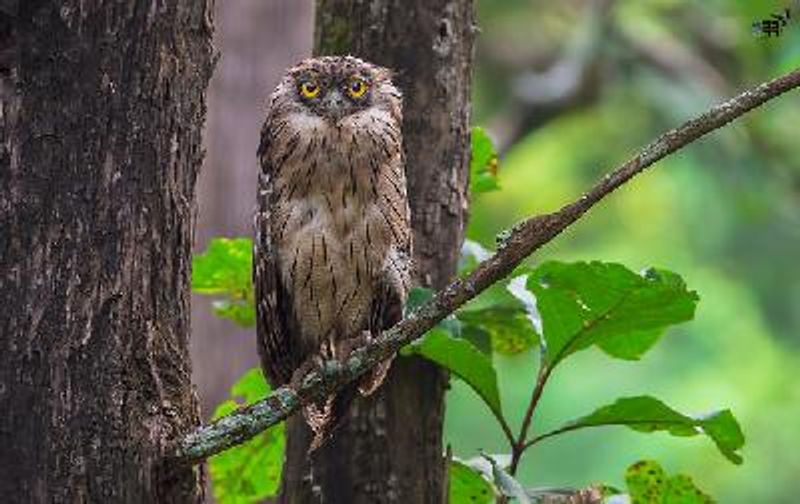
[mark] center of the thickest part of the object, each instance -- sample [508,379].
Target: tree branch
[515,245]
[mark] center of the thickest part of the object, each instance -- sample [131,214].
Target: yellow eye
[309,89]
[357,88]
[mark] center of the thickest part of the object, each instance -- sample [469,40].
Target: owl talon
[346,347]
[313,363]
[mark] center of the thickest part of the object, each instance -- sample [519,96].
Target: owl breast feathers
[333,240]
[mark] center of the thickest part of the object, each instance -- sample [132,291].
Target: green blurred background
[570,89]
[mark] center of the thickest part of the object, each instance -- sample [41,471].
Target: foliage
[483,163]
[463,359]
[467,485]
[607,305]
[646,414]
[225,270]
[648,483]
[249,472]
[577,306]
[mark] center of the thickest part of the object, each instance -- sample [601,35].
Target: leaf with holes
[467,486]
[649,483]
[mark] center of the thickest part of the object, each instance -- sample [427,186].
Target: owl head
[336,87]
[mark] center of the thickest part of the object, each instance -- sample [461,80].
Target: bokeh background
[568,90]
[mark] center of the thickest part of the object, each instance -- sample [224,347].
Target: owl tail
[374,378]
[325,417]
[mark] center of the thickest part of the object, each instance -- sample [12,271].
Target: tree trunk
[100,143]
[389,450]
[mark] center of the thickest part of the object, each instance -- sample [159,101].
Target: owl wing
[273,301]
[396,281]
[394,284]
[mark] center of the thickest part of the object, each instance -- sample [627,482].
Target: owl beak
[335,104]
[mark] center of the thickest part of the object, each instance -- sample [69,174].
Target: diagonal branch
[516,244]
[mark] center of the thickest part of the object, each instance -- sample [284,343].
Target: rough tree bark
[100,143]
[389,450]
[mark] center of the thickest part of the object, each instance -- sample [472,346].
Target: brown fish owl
[333,241]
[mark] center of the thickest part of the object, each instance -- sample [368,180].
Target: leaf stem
[519,446]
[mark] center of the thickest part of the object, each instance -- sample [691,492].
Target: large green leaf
[224,269]
[647,414]
[249,472]
[648,483]
[582,304]
[467,486]
[483,165]
[464,360]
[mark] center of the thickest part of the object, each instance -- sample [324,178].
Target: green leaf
[496,312]
[503,316]
[624,313]
[483,165]
[225,270]
[225,266]
[647,414]
[467,486]
[249,472]
[464,360]
[648,483]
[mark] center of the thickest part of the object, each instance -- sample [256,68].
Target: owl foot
[313,363]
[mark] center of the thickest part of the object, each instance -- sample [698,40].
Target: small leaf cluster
[224,271]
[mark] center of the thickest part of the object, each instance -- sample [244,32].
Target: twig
[517,244]
[519,446]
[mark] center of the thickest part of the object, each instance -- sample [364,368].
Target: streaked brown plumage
[333,242]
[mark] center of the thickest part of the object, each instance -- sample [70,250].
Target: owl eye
[309,89]
[357,88]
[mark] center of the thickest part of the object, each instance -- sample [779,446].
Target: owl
[332,258]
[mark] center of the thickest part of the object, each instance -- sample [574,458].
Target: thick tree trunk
[390,448]
[100,143]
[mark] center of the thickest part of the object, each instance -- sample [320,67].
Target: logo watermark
[773,25]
